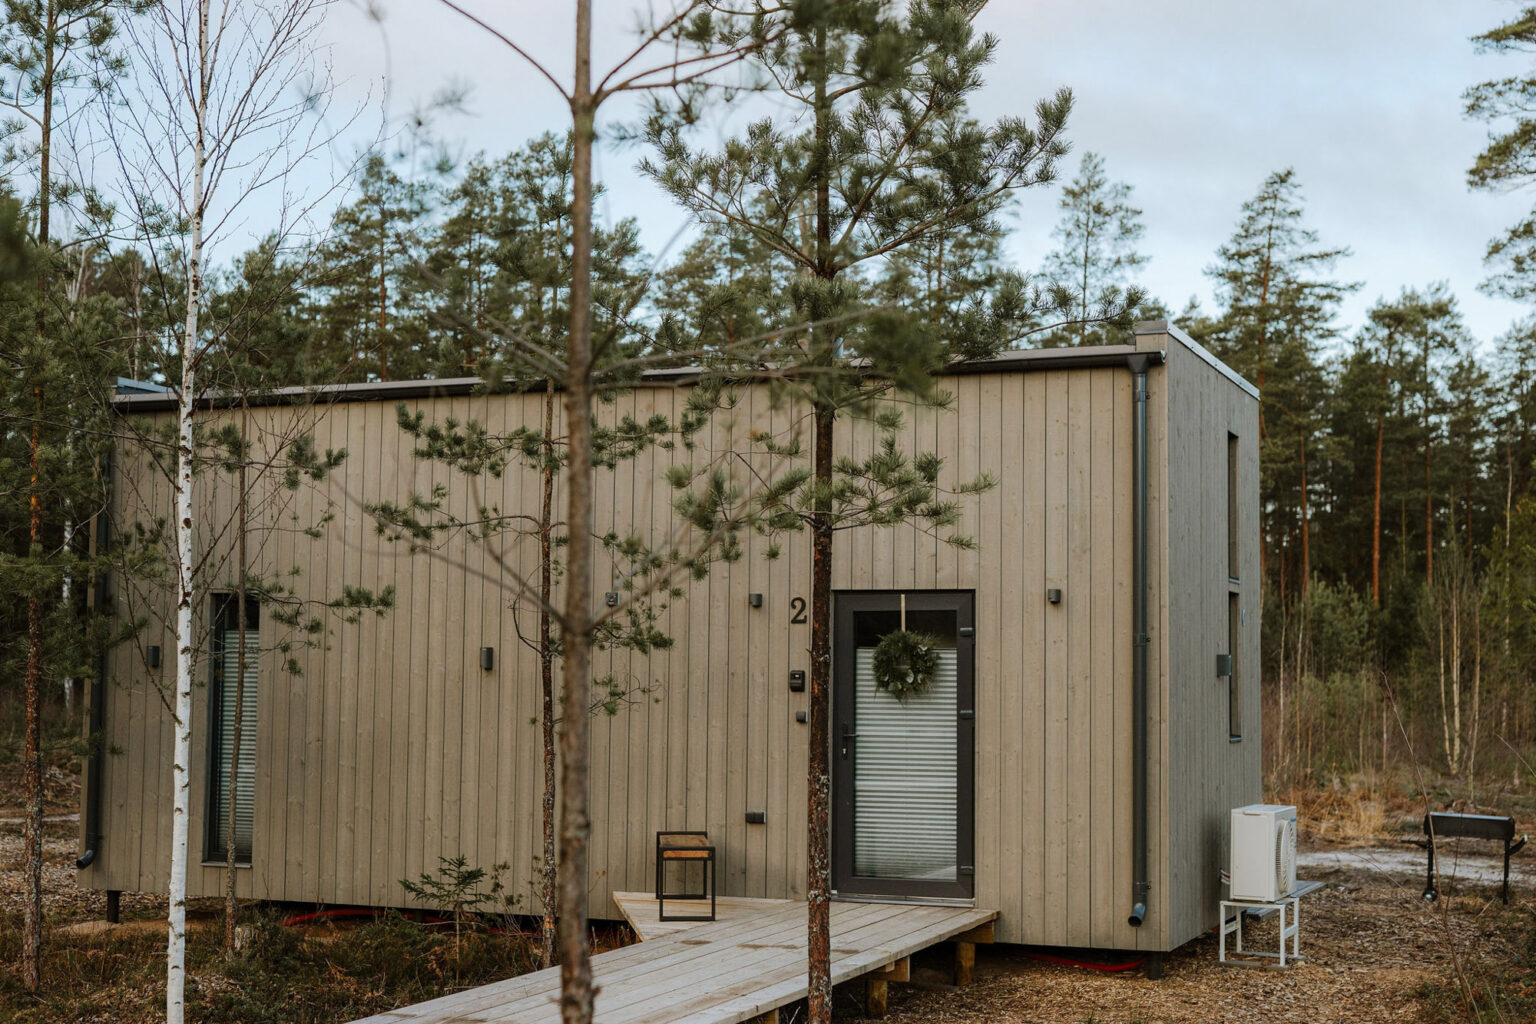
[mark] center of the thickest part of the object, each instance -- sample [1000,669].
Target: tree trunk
[32,755]
[1429,497]
[32,752]
[818,773]
[547,675]
[383,300]
[1445,720]
[181,778]
[575,825]
[1381,427]
[818,782]
[1306,528]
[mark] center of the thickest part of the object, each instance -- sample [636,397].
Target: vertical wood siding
[393,748]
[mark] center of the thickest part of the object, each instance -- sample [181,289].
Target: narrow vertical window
[1232,530]
[228,755]
[1235,667]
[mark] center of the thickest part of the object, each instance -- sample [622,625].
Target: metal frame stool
[685,847]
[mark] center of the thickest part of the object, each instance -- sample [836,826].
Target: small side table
[685,847]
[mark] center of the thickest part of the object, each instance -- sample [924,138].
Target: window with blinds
[905,806]
[226,696]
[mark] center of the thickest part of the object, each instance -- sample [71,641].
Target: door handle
[848,734]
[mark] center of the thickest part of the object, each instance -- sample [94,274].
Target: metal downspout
[97,718]
[1140,884]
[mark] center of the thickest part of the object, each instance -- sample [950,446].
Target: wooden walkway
[743,966]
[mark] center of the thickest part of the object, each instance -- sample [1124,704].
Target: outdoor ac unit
[1263,852]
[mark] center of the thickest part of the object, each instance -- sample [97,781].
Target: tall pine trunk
[181,756]
[1381,427]
[32,754]
[1306,520]
[818,781]
[32,743]
[575,821]
[547,674]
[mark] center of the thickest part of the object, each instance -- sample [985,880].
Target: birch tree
[221,111]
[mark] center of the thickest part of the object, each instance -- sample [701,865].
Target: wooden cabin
[1012,783]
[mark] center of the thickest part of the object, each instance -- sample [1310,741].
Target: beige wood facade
[393,748]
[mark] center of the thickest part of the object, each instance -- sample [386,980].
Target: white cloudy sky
[1192,102]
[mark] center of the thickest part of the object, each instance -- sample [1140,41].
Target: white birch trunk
[181,778]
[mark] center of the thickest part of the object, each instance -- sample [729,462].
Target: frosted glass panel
[904,776]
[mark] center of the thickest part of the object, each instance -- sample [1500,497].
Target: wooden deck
[745,965]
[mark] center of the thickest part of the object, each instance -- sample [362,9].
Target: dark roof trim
[1020,361]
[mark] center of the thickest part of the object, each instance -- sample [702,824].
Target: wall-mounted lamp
[611,599]
[1053,595]
[755,600]
[153,655]
[487,658]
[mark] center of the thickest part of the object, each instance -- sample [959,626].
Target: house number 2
[797,611]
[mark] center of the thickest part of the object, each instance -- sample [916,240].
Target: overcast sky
[1191,102]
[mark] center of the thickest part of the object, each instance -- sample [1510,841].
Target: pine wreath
[905,662]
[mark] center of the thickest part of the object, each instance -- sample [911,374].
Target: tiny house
[1093,714]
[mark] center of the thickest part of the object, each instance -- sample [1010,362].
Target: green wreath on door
[905,663]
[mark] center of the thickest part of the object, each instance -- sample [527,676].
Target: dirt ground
[1374,949]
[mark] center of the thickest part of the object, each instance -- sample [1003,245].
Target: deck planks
[748,962]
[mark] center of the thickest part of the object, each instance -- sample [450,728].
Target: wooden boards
[745,965]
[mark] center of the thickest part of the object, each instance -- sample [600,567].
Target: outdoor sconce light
[755,600]
[611,599]
[487,658]
[1053,595]
[153,655]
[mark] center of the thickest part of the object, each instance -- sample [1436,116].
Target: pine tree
[367,283]
[1393,331]
[1097,237]
[49,50]
[1279,304]
[1509,160]
[885,158]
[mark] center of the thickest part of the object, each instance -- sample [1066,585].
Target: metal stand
[1233,925]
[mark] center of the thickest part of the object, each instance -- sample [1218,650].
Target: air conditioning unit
[1263,852]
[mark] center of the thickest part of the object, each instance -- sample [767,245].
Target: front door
[902,768]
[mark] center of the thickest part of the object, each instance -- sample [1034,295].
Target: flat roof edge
[1173,331]
[1034,360]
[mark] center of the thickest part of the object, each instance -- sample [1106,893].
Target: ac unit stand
[1289,909]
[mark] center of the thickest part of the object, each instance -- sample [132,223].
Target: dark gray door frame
[845,604]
